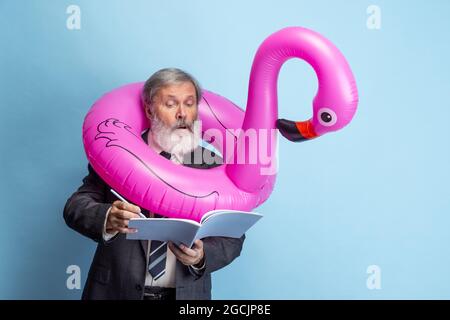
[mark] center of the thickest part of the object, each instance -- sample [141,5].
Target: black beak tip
[289,130]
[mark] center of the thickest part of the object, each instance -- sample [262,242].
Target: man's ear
[148,112]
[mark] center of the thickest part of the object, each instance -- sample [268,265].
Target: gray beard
[177,142]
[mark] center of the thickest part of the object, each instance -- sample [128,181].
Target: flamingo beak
[296,131]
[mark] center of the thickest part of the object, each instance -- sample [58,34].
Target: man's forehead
[183,90]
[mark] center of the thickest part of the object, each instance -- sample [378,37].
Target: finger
[190,252]
[115,207]
[124,214]
[129,207]
[180,255]
[116,203]
[121,205]
[177,252]
[184,260]
[118,223]
[123,223]
[126,230]
[198,244]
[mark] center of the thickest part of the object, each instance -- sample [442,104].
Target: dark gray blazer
[119,266]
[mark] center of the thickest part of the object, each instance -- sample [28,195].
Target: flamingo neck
[262,104]
[291,42]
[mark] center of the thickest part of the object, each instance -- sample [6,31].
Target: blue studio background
[374,193]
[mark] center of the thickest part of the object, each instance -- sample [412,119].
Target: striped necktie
[157,259]
[158,249]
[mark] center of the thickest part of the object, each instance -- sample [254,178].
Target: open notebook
[216,223]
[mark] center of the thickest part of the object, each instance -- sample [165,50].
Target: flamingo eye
[327,117]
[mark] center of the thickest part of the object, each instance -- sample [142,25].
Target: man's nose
[181,112]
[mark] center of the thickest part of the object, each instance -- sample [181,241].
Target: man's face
[173,121]
[175,106]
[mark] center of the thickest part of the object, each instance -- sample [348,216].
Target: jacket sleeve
[219,252]
[85,211]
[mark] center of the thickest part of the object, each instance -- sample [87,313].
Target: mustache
[183,124]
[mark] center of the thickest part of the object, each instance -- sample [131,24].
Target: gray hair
[165,77]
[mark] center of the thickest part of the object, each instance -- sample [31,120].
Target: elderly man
[132,269]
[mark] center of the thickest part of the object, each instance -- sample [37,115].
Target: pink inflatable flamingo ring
[112,133]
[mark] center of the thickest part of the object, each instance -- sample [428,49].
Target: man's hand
[119,216]
[188,256]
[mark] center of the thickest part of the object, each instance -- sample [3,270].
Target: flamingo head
[332,111]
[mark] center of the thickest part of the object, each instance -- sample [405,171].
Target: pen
[122,198]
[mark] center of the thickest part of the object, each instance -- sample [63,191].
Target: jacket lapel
[144,246]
